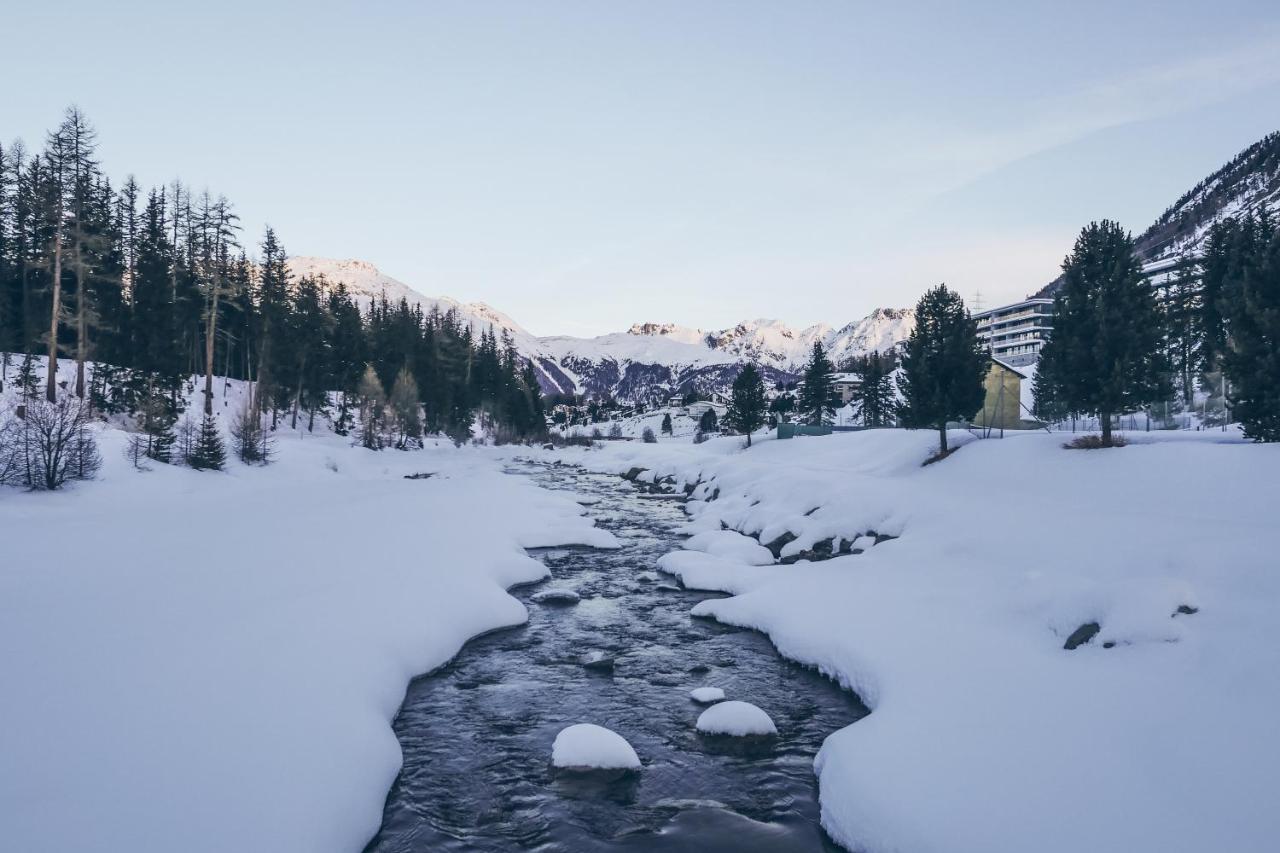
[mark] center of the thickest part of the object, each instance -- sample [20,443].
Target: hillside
[1247,182]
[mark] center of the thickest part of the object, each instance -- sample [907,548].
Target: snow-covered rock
[557,595]
[706,695]
[586,746]
[736,718]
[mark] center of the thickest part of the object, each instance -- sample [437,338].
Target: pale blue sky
[586,165]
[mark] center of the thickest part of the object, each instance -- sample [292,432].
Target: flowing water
[477,733]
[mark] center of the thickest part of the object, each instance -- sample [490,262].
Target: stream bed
[477,733]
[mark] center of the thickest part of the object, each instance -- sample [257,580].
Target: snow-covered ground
[211,661]
[986,734]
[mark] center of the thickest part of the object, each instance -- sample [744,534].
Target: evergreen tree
[1106,355]
[1183,333]
[747,404]
[1252,356]
[874,398]
[817,402]
[666,424]
[251,443]
[944,365]
[707,423]
[208,452]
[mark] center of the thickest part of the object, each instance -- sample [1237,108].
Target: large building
[1015,333]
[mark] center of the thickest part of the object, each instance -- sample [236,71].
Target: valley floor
[211,662]
[986,734]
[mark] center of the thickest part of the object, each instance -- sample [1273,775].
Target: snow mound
[586,746]
[557,595]
[706,695]
[731,545]
[735,718]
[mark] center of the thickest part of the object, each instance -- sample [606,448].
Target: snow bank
[590,747]
[210,661]
[986,734]
[739,719]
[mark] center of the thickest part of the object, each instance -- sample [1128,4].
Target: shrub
[648,436]
[1094,442]
[42,445]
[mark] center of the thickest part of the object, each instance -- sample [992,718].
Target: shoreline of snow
[953,633]
[214,660]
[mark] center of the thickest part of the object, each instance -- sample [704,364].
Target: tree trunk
[1105,419]
[51,384]
[942,438]
[82,328]
[211,327]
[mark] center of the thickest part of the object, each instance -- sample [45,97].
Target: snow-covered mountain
[773,343]
[647,362]
[1249,181]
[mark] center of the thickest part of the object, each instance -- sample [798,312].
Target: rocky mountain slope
[1246,183]
[649,361]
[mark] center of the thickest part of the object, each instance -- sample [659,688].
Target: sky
[583,166]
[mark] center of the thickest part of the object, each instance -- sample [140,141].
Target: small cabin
[1007,404]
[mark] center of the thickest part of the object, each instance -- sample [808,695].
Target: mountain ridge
[646,362]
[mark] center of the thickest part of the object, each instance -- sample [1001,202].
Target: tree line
[144,290]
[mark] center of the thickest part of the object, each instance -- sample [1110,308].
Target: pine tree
[1252,357]
[943,366]
[817,403]
[1106,353]
[747,404]
[707,423]
[874,399]
[208,452]
[666,424]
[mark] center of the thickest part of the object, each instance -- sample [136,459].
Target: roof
[1007,366]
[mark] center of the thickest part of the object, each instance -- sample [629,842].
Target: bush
[648,436]
[1094,442]
[615,431]
[699,437]
[43,445]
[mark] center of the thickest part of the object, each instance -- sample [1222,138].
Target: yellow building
[1008,398]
